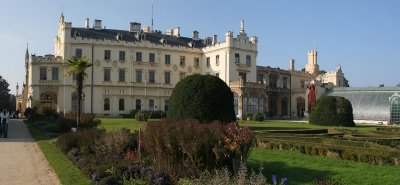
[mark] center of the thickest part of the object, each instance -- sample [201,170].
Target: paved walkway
[21,160]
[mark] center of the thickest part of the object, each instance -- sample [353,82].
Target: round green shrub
[332,111]
[259,116]
[202,97]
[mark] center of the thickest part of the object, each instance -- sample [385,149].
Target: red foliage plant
[185,148]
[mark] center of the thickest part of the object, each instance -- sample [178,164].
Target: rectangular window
[121,75]
[138,76]
[107,74]
[285,79]
[182,75]
[237,58]
[54,73]
[152,57]
[151,77]
[121,104]
[182,61]
[106,104]
[196,62]
[107,55]
[260,78]
[217,75]
[166,105]
[167,59]
[78,53]
[208,62]
[217,60]
[43,73]
[138,56]
[167,77]
[302,83]
[248,59]
[122,55]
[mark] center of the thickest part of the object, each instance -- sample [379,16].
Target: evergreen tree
[4,94]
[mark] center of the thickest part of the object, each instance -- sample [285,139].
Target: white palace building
[139,68]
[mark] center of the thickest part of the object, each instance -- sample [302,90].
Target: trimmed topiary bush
[202,97]
[259,116]
[332,110]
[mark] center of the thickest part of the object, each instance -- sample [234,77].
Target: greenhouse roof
[369,103]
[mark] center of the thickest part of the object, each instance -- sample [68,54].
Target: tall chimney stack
[87,23]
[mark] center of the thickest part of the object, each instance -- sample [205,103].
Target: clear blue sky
[363,36]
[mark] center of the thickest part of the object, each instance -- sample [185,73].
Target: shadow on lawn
[295,175]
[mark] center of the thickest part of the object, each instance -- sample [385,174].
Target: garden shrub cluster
[186,148]
[202,97]
[144,115]
[109,157]
[259,116]
[50,121]
[332,110]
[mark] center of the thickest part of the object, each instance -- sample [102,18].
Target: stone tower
[312,66]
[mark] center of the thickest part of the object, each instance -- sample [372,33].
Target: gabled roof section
[153,37]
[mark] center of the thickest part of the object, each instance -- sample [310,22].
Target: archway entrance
[301,106]
[284,106]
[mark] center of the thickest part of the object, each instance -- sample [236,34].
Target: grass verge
[304,169]
[67,173]
[113,124]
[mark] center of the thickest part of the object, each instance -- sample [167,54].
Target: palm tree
[77,68]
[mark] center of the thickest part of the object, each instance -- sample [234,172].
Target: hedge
[202,97]
[334,111]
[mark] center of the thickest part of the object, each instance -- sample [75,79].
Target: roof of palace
[154,37]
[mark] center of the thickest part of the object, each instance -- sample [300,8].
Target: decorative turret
[312,67]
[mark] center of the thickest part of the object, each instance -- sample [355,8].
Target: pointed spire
[27,52]
[61,20]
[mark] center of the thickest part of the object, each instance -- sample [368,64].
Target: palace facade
[139,67]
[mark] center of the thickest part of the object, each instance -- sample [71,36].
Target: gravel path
[21,160]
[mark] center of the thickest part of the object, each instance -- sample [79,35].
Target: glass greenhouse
[372,104]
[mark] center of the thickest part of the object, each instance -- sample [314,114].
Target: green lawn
[67,172]
[113,124]
[304,169]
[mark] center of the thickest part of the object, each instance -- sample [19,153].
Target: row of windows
[167,58]
[138,106]
[54,73]
[139,74]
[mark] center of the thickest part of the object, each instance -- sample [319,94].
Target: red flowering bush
[186,148]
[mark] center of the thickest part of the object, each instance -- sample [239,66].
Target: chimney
[214,39]
[146,29]
[97,24]
[292,64]
[195,35]
[87,23]
[242,26]
[177,31]
[135,27]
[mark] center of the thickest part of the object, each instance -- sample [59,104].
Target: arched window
[106,104]
[236,103]
[395,109]
[138,104]
[151,105]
